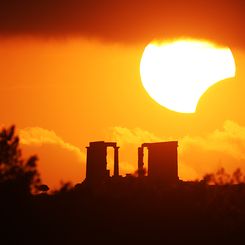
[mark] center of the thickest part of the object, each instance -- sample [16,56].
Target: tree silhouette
[16,174]
[221,177]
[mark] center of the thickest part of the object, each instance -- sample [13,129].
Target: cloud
[124,136]
[125,21]
[39,136]
[197,155]
[129,140]
[221,148]
[58,160]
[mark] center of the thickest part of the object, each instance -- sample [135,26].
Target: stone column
[116,165]
[141,161]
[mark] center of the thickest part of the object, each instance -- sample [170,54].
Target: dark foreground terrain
[126,212]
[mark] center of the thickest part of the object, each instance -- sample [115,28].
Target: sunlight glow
[176,74]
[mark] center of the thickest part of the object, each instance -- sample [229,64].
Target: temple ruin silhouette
[162,162]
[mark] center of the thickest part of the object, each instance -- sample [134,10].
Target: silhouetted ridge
[135,209]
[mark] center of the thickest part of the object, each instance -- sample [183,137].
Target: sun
[177,73]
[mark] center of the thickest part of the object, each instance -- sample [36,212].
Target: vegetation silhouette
[132,211]
[17,176]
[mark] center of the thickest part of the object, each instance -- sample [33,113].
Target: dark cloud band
[125,21]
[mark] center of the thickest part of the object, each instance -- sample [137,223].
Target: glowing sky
[70,75]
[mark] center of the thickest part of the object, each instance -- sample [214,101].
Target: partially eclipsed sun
[176,74]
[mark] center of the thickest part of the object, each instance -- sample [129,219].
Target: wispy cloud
[39,136]
[222,148]
[129,140]
[59,160]
[125,136]
[197,155]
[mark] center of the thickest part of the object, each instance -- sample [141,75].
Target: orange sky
[63,90]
